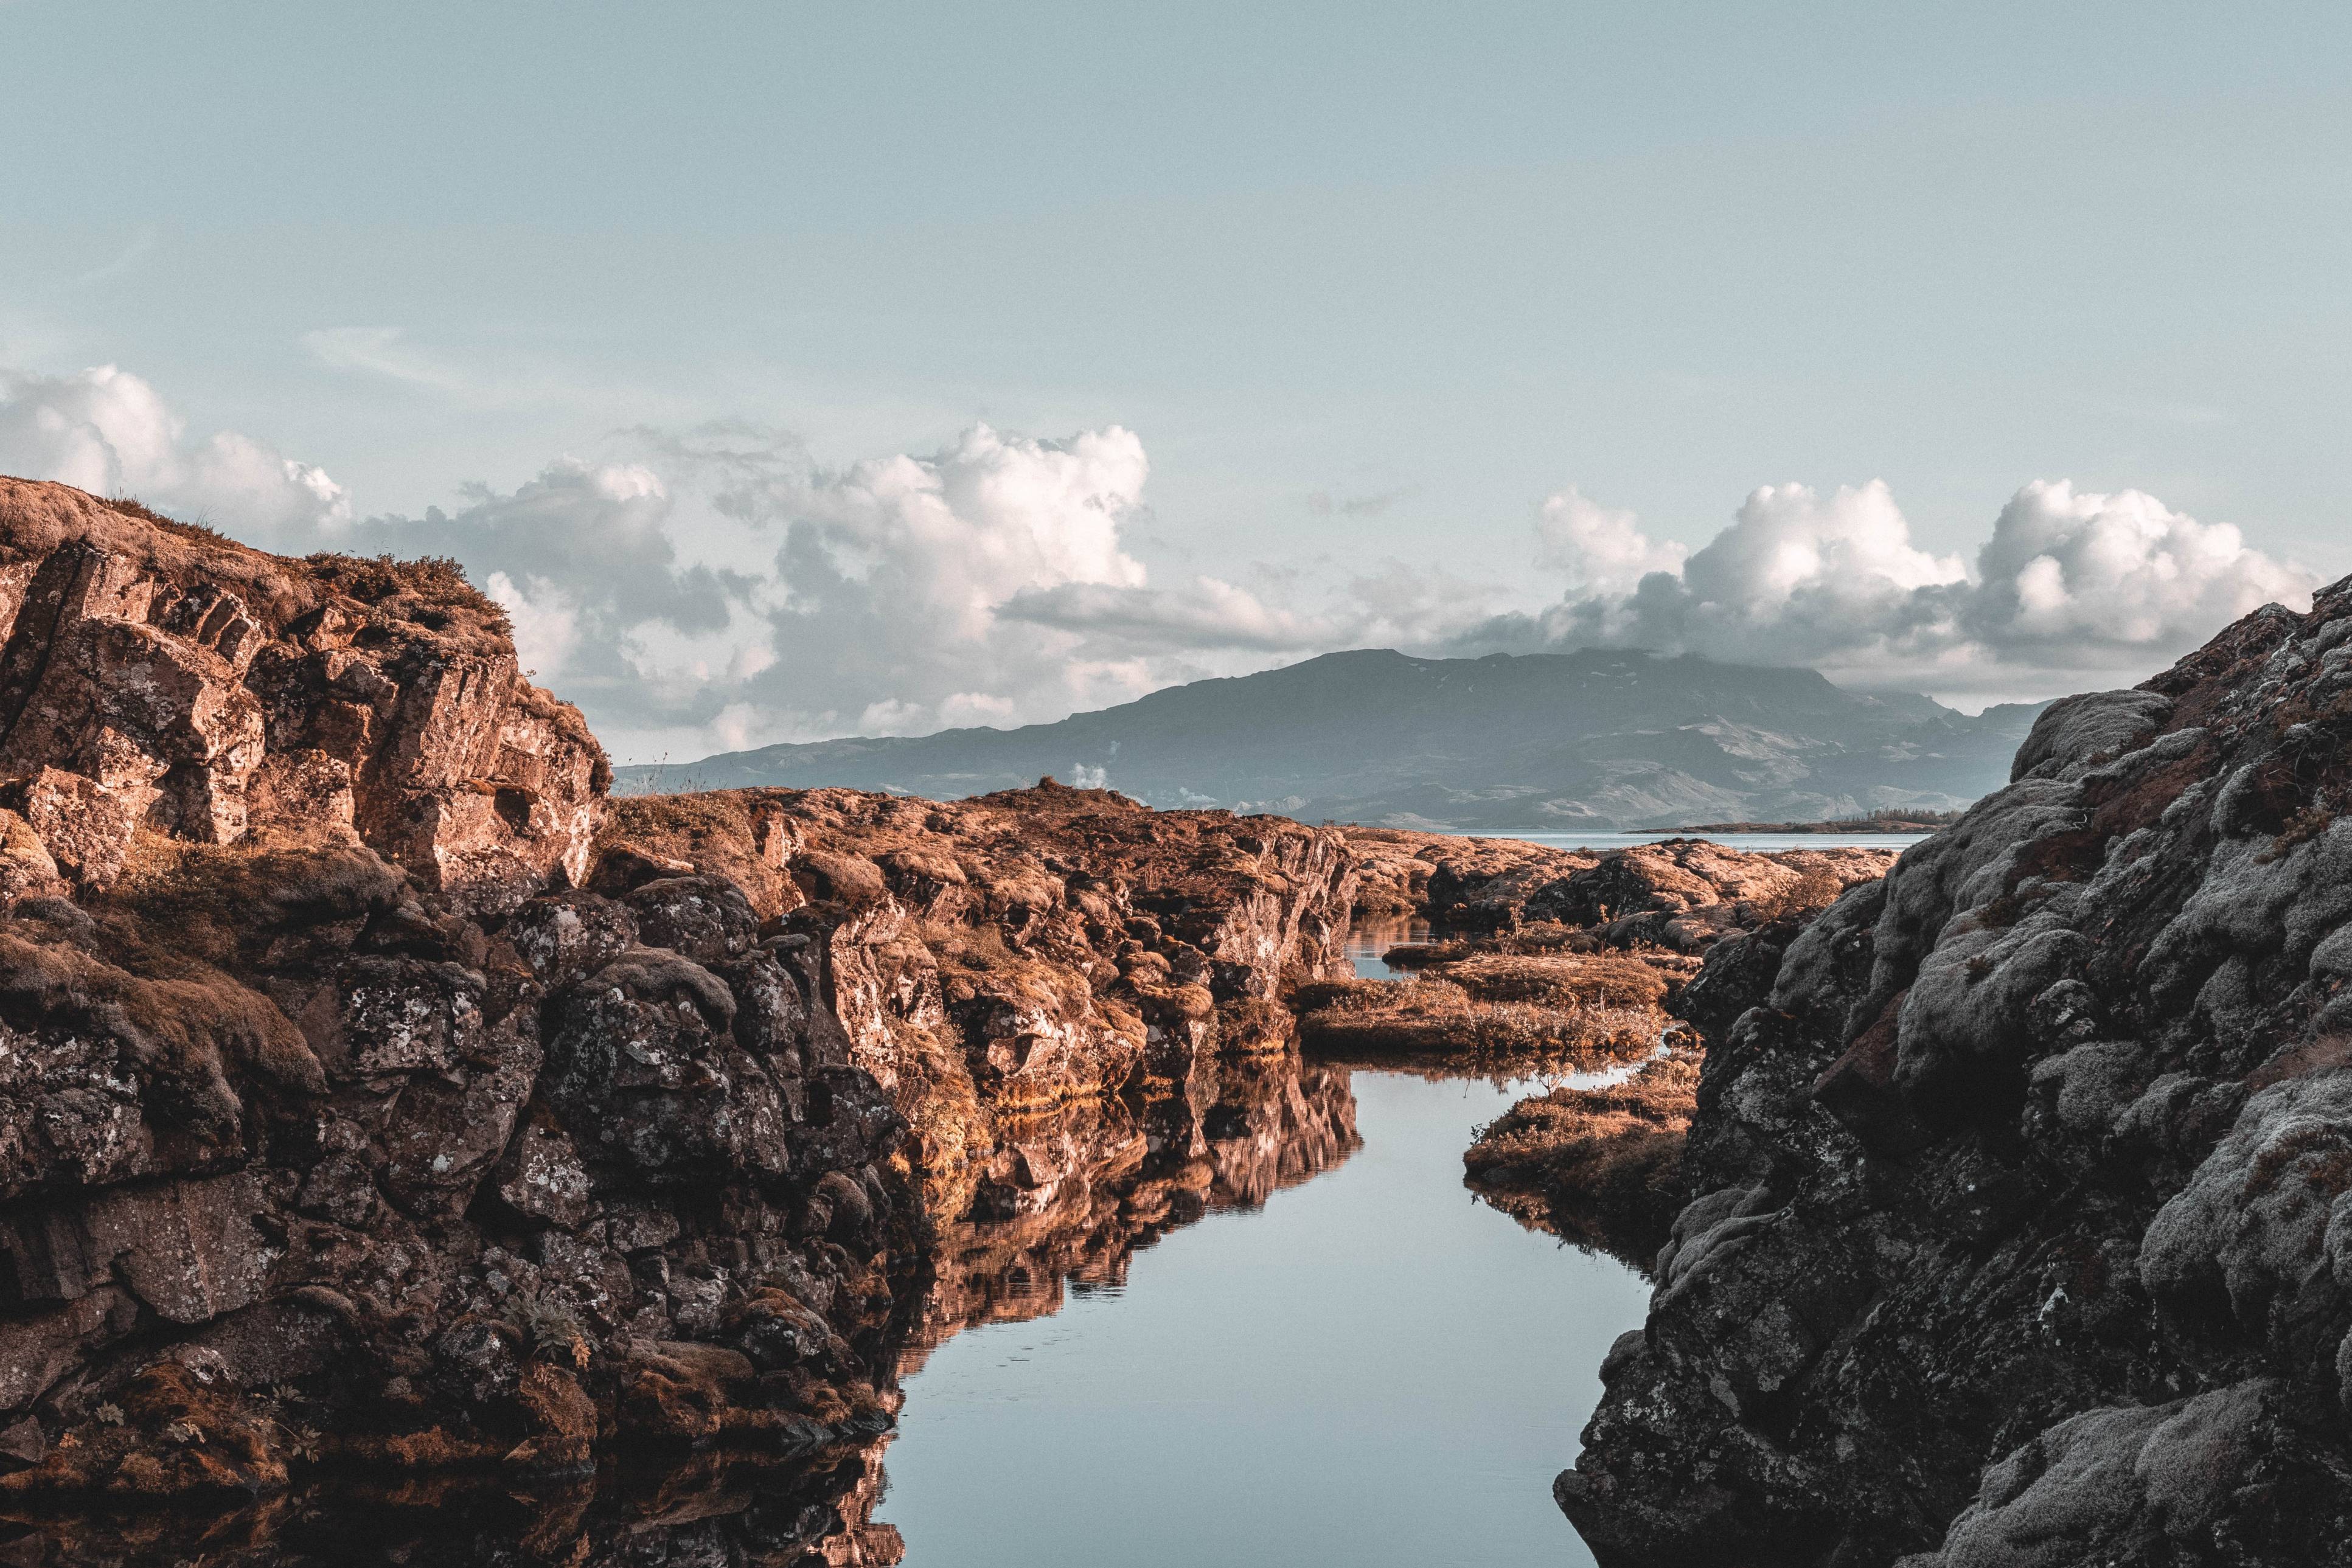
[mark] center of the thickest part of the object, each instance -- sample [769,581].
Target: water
[1372,1369]
[1760,844]
[1368,942]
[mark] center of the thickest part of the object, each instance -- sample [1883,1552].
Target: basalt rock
[1010,958]
[2019,1199]
[391,1193]
[1682,893]
[372,1104]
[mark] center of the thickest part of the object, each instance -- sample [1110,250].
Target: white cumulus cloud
[724,588]
[108,432]
[1599,550]
[2073,587]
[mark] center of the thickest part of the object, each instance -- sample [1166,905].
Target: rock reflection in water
[1369,942]
[713,1509]
[1068,1198]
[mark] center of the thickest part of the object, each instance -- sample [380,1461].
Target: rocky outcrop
[156,678]
[1681,894]
[2019,1197]
[1000,959]
[1601,1164]
[305,1166]
[372,1102]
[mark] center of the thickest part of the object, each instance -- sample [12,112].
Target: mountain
[1595,739]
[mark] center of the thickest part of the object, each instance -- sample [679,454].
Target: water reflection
[1351,1361]
[1066,1206]
[1079,1196]
[1373,1369]
[1370,940]
[711,1509]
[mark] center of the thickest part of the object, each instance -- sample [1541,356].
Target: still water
[1759,843]
[1371,1369]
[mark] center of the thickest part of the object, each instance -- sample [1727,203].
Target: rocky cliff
[2019,1228]
[376,1100]
[997,963]
[156,677]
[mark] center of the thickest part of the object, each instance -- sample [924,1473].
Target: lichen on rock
[2015,1204]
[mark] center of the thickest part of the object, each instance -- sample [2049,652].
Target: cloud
[2073,587]
[108,432]
[1601,550]
[722,588]
[1394,606]
[1205,613]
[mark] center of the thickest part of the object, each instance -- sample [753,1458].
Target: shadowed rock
[2018,1198]
[371,1102]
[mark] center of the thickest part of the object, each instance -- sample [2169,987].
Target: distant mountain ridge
[1596,739]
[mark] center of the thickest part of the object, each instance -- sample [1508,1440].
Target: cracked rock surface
[380,1100]
[2019,1224]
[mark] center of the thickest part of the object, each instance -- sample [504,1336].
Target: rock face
[154,676]
[370,1100]
[1001,961]
[2019,1208]
[1684,895]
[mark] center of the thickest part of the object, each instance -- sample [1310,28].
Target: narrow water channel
[1373,1368]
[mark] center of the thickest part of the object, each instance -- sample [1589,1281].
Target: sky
[795,371]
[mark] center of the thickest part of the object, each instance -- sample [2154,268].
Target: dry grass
[1602,980]
[145,514]
[1538,940]
[1377,1019]
[431,591]
[1600,1167]
[717,832]
[221,904]
[981,947]
[1814,890]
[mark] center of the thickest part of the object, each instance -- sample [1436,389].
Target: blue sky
[1366,286]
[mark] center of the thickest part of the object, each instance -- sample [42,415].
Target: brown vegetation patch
[1560,980]
[1370,1019]
[1600,1167]
[433,592]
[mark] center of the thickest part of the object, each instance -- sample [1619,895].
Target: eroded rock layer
[374,1100]
[156,677]
[2020,1220]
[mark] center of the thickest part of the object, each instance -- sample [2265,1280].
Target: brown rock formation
[156,677]
[1683,894]
[1607,974]
[1600,1166]
[1010,956]
[367,1100]
[1547,957]
[2020,1234]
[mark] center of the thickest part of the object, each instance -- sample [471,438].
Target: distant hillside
[1593,739]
